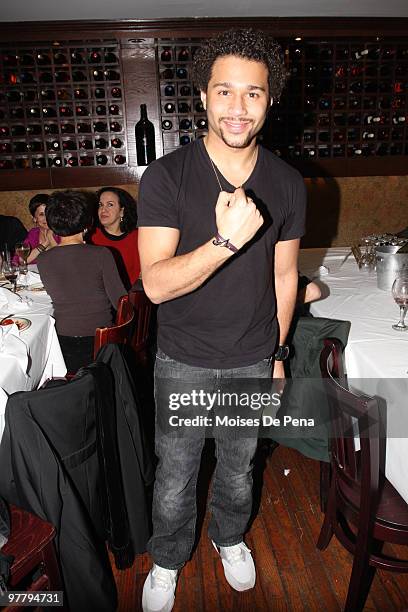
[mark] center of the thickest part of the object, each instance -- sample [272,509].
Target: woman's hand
[47,238]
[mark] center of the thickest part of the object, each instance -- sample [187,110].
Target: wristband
[41,248]
[220,241]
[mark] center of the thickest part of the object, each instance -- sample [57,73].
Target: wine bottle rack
[182,115]
[345,98]
[62,105]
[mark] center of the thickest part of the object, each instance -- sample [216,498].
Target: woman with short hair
[82,279]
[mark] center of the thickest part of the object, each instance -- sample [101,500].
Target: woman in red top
[116,230]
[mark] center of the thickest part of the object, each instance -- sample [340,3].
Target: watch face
[282,353]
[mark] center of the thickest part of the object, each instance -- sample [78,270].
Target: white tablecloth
[45,358]
[376,356]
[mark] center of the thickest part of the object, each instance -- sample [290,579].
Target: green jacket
[304,395]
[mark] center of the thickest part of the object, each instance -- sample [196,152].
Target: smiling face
[110,211]
[39,217]
[237,100]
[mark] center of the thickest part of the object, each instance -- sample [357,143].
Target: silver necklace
[216,173]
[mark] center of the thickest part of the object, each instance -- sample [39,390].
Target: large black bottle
[145,140]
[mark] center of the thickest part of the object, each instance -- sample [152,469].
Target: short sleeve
[295,221]
[157,198]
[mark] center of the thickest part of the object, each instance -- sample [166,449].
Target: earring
[121,219]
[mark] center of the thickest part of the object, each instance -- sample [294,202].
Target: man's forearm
[286,291]
[171,278]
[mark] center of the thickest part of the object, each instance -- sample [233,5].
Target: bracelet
[220,241]
[41,248]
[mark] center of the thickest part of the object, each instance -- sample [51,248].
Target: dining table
[35,356]
[376,355]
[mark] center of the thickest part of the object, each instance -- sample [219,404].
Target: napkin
[11,344]
[12,303]
[31,278]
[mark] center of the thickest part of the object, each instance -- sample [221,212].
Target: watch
[282,353]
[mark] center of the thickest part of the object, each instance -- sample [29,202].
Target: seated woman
[116,229]
[40,238]
[82,279]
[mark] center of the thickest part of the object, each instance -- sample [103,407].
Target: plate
[21,322]
[38,287]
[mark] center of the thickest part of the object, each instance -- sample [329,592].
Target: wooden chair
[141,336]
[121,332]
[360,495]
[31,545]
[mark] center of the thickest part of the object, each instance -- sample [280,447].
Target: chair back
[357,469]
[143,310]
[121,333]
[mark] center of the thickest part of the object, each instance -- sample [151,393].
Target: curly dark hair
[68,212]
[127,203]
[249,44]
[36,201]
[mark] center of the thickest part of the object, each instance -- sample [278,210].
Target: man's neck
[235,164]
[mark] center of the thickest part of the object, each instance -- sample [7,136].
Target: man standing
[220,221]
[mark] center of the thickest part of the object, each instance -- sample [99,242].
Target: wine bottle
[45,77]
[5,147]
[22,162]
[110,58]
[78,76]
[68,128]
[116,143]
[84,128]
[55,161]
[35,146]
[68,145]
[35,129]
[34,112]
[100,126]
[183,55]
[114,109]
[183,107]
[145,139]
[38,162]
[181,73]
[53,145]
[111,75]
[17,113]
[169,90]
[169,107]
[100,109]
[47,94]
[80,94]
[65,111]
[119,159]
[185,124]
[72,161]
[101,143]
[167,124]
[27,60]
[184,140]
[86,160]
[185,90]
[29,95]
[20,147]
[61,76]
[199,107]
[18,130]
[13,96]
[76,58]
[6,164]
[115,126]
[82,111]
[98,75]
[59,58]
[95,58]
[116,92]
[48,111]
[86,144]
[99,92]
[166,55]
[101,159]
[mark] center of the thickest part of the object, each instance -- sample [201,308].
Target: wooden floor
[291,573]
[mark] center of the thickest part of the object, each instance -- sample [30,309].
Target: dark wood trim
[187,27]
[60,178]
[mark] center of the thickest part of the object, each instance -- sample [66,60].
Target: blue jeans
[174,500]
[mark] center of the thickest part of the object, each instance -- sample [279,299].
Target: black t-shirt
[230,321]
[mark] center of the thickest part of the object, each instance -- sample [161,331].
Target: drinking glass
[23,251]
[10,271]
[400,295]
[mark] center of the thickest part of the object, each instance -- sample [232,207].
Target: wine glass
[10,271]
[22,251]
[400,295]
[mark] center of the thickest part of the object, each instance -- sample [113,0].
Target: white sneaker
[239,567]
[158,590]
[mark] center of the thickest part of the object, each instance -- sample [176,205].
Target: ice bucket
[389,264]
